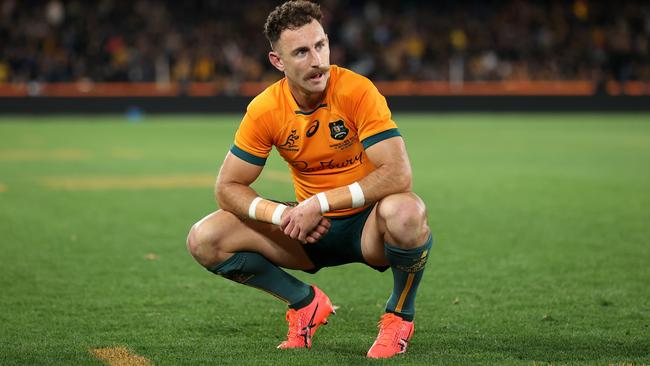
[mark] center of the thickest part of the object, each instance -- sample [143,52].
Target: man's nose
[316,59]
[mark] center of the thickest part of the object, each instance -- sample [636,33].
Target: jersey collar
[324,104]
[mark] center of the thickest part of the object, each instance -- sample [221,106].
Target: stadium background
[115,115]
[213,51]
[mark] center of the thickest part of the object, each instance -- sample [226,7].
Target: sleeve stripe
[246,156]
[371,140]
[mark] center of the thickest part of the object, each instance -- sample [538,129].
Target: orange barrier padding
[109,90]
[388,88]
[204,89]
[13,90]
[89,89]
[478,88]
[251,89]
[629,88]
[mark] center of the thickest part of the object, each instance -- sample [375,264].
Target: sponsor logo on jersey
[304,166]
[290,144]
[345,143]
[312,128]
[338,131]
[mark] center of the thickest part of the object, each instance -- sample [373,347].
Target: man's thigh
[383,217]
[372,240]
[233,234]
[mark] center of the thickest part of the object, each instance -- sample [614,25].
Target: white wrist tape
[277,214]
[324,205]
[252,207]
[358,199]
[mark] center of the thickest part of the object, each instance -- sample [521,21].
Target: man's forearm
[244,202]
[382,182]
[234,197]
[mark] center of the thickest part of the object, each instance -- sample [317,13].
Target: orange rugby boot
[304,322]
[393,338]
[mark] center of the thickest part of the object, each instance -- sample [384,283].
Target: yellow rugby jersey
[324,148]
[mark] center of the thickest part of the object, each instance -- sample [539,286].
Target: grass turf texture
[541,223]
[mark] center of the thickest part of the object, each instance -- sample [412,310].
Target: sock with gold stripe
[254,270]
[407,266]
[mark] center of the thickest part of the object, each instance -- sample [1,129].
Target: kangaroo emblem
[290,143]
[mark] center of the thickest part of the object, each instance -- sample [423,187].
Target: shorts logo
[313,128]
[338,131]
[290,144]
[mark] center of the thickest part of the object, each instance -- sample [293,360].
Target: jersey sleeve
[373,117]
[253,141]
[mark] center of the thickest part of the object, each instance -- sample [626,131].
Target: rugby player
[352,179]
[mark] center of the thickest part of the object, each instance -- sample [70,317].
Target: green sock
[407,266]
[254,270]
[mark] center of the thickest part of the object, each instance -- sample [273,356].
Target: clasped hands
[305,222]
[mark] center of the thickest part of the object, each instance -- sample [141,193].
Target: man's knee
[205,238]
[405,220]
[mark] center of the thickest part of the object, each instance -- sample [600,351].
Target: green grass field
[542,254]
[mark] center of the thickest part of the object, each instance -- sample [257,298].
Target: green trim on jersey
[311,112]
[369,141]
[246,156]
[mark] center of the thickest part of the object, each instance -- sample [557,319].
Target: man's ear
[276,61]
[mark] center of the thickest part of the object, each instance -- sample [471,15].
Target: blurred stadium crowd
[222,41]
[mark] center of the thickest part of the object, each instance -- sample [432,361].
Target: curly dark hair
[290,15]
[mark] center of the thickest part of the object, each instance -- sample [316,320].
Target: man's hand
[321,229]
[305,222]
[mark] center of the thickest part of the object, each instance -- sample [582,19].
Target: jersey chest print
[324,141]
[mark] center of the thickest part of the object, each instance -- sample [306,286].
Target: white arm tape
[358,199]
[277,214]
[324,205]
[252,207]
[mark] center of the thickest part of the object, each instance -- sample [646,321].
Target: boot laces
[293,317]
[296,328]
[389,327]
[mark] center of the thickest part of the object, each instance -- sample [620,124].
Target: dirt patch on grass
[107,183]
[3,188]
[144,182]
[127,154]
[119,356]
[276,176]
[47,155]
